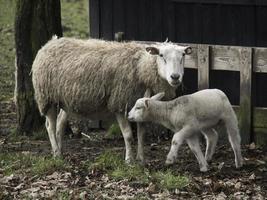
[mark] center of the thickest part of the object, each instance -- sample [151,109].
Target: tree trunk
[35,23]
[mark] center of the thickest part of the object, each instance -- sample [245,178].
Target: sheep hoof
[141,161]
[203,169]
[208,159]
[169,162]
[129,161]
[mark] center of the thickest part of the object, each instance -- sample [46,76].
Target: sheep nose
[175,77]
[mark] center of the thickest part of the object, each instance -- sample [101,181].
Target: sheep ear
[188,50]
[147,93]
[166,41]
[152,50]
[158,96]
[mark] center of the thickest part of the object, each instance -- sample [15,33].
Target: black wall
[226,22]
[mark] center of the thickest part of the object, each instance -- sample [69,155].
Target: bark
[35,23]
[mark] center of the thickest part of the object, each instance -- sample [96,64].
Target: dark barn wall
[227,22]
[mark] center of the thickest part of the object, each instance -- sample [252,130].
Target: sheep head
[170,61]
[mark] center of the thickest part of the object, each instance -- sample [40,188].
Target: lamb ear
[188,50]
[152,50]
[146,103]
[158,96]
[147,93]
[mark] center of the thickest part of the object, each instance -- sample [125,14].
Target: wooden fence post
[119,36]
[203,66]
[245,121]
[94,18]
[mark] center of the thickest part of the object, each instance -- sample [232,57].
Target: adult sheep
[98,79]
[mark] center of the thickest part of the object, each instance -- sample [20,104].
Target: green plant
[115,167]
[169,180]
[40,135]
[64,195]
[107,161]
[47,165]
[114,132]
[13,163]
[132,173]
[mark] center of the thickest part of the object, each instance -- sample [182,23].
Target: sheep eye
[138,108]
[161,55]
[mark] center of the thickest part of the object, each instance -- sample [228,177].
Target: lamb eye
[138,108]
[161,55]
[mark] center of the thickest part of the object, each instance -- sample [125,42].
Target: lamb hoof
[239,165]
[141,162]
[57,154]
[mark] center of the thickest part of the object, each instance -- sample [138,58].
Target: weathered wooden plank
[260,60]
[259,124]
[106,19]
[225,2]
[118,16]
[225,58]
[245,94]
[169,20]
[260,136]
[259,116]
[119,36]
[203,66]
[191,60]
[94,12]
[131,19]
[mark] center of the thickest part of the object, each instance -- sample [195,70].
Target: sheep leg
[140,148]
[193,143]
[177,141]
[51,118]
[127,135]
[211,137]
[235,140]
[61,124]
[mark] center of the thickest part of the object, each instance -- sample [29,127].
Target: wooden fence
[246,60]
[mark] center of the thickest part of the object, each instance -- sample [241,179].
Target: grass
[114,132]
[115,167]
[75,19]
[168,180]
[40,135]
[16,163]
[7,49]
[64,196]
[15,137]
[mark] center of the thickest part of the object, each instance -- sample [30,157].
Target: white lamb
[188,116]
